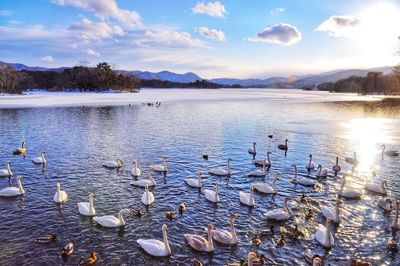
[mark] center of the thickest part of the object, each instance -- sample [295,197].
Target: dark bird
[20,151]
[196,262]
[182,208]
[89,261]
[270,136]
[137,212]
[47,239]
[283,147]
[205,156]
[67,250]
[169,216]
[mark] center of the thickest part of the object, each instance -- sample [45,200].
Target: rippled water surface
[78,140]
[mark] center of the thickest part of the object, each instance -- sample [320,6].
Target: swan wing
[222,236]
[4,172]
[10,191]
[244,197]
[191,182]
[218,171]
[197,242]
[107,220]
[351,194]
[157,168]
[210,195]
[83,208]
[306,181]
[263,187]
[327,212]
[37,160]
[153,246]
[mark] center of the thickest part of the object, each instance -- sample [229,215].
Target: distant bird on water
[21,150]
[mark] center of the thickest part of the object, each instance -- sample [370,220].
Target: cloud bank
[339,25]
[212,34]
[284,34]
[211,9]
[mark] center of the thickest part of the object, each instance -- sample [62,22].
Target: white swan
[396,224]
[212,195]
[60,196]
[221,171]
[135,169]
[389,153]
[156,247]
[113,164]
[283,146]
[40,159]
[161,167]
[324,235]
[349,194]
[7,171]
[303,180]
[385,204]
[336,168]
[352,160]
[147,196]
[332,213]
[259,173]
[224,236]
[380,189]
[199,243]
[266,188]
[144,182]
[310,166]
[321,172]
[13,191]
[87,208]
[279,214]
[111,220]
[194,182]
[247,198]
[261,162]
[253,150]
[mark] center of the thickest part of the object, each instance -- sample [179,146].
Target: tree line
[373,83]
[81,77]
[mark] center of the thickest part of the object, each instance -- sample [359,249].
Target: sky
[214,39]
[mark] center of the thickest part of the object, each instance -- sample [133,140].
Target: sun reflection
[367,134]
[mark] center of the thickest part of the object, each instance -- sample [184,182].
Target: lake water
[78,140]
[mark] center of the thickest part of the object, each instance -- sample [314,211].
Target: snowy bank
[60,99]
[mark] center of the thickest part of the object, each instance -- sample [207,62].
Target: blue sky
[226,38]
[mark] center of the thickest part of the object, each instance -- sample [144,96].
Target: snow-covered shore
[62,99]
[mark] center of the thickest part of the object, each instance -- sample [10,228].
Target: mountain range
[283,82]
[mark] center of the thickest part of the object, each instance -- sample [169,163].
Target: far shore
[64,99]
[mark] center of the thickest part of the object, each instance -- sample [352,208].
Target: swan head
[277,178]
[252,256]
[269,152]
[165,158]
[254,143]
[373,174]
[339,201]
[384,183]
[329,220]
[134,162]
[126,211]
[199,174]
[287,200]
[251,188]
[217,184]
[210,228]
[319,166]
[230,159]
[120,161]
[8,163]
[310,155]
[164,228]
[91,196]
[20,177]
[58,186]
[43,152]
[295,166]
[233,216]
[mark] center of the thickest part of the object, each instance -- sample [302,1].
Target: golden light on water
[367,134]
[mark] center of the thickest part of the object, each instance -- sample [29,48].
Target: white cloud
[171,38]
[211,34]
[339,25]
[284,34]
[5,13]
[92,52]
[92,31]
[215,9]
[276,11]
[105,9]
[47,58]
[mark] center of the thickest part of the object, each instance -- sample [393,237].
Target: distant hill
[167,76]
[335,75]
[295,81]
[20,67]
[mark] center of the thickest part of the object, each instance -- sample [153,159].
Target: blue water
[78,140]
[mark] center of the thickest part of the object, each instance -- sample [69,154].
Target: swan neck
[254,147]
[166,242]
[91,206]
[309,162]
[337,161]
[328,234]
[121,217]
[396,215]
[250,261]
[233,231]
[147,196]
[9,169]
[165,165]
[21,189]
[199,180]
[273,183]
[251,200]
[341,188]
[210,241]
[229,166]
[216,192]
[337,212]
[295,172]
[44,159]
[287,208]
[269,161]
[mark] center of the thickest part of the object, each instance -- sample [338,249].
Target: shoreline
[37,99]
